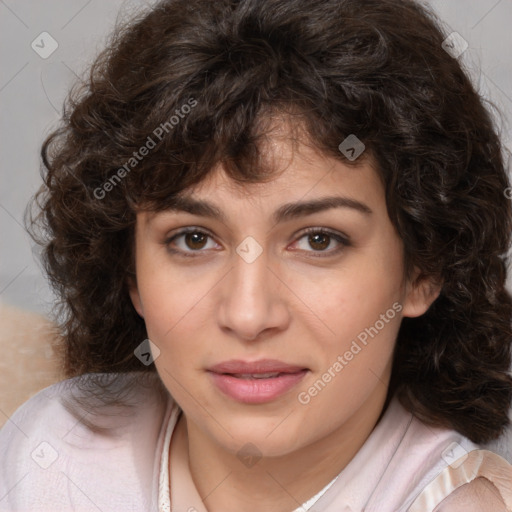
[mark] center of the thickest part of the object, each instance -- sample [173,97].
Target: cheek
[363,333]
[168,294]
[357,357]
[353,298]
[176,313]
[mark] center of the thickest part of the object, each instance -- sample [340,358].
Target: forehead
[304,181]
[295,168]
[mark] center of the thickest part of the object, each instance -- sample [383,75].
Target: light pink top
[57,456]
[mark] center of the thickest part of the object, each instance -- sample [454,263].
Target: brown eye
[319,240]
[195,240]
[188,241]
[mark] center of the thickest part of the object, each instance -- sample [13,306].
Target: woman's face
[248,283]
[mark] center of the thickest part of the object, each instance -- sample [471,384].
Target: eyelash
[342,240]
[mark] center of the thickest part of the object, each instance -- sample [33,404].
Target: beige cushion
[28,362]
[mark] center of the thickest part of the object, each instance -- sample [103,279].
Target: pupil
[195,239]
[314,241]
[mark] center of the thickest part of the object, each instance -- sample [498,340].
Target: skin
[481,495]
[290,304]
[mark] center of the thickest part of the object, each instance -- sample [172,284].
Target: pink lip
[256,391]
[261,366]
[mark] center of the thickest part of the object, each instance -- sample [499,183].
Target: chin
[262,438]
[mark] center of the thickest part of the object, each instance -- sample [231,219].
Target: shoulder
[427,465]
[480,495]
[477,481]
[93,438]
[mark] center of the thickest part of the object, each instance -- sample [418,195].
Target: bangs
[182,156]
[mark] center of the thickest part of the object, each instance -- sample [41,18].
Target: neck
[276,484]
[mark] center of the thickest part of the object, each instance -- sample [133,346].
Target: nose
[253,299]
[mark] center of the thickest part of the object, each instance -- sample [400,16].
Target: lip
[261,366]
[256,390]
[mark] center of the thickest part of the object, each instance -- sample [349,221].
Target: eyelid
[327,231]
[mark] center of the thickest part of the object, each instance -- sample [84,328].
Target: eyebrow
[287,211]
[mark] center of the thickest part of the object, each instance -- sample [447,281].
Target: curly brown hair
[375,68]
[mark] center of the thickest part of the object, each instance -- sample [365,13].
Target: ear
[421,292]
[133,290]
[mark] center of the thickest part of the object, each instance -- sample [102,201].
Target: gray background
[32,90]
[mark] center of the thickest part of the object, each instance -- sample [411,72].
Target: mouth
[256,387]
[251,368]
[257,375]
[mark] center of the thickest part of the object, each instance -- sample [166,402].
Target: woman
[278,229]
